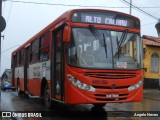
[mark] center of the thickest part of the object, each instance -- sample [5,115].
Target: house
[151,61]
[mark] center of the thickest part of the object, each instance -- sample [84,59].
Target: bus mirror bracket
[66,33]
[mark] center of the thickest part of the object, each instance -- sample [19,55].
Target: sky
[26,19]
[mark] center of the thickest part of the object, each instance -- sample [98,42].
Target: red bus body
[43,60]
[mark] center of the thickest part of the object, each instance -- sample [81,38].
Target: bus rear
[103,58]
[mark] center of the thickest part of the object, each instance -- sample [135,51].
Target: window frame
[154,61]
[35,51]
[41,42]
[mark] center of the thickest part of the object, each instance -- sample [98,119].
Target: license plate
[112,96]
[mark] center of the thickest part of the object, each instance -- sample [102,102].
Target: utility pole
[137,8]
[130,11]
[2,27]
[0,35]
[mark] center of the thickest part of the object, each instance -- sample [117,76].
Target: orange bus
[85,56]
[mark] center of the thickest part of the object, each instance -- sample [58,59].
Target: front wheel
[48,102]
[99,105]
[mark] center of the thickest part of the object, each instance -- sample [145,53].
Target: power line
[74,5]
[142,11]
[147,17]
[9,11]
[7,22]
[8,16]
[3,8]
[9,48]
[149,23]
[139,4]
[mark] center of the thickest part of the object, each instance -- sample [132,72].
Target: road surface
[150,105]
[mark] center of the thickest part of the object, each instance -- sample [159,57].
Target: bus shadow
[73,112]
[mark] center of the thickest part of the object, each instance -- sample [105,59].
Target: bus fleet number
[99,82]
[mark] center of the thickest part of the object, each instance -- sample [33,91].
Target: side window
[44,47]
[21,57]
[154,62]
[59,46]
[35,51]
[14,60]
[17,63]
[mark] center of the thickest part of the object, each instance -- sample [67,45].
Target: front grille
[105,99]
[109,87]
[103,95]
[110,75]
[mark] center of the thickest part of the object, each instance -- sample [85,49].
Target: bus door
[57,67]
[26,66]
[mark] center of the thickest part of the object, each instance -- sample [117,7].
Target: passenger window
[21,57]
[44,47]
[15,60]
[18,57]
[35,51]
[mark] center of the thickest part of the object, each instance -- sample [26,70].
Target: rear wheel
[20,93]
[48,102]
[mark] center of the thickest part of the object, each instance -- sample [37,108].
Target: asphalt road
[150,105]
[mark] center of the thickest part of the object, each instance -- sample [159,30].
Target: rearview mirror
[66,33]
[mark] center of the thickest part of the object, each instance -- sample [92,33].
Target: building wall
[151,79]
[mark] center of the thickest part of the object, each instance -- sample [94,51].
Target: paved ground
[151,103]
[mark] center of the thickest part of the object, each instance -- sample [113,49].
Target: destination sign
[107,18]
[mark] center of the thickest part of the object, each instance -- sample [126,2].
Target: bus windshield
[104,49]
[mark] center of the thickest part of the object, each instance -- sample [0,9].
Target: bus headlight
[136,86]
[79,84]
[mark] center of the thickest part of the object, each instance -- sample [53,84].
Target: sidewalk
[152,94]
[150,102]
[151,90]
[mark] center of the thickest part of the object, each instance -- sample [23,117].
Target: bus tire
[99,105]
[18,89]
[48,102]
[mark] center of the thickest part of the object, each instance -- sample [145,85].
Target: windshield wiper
[121,41]
[96,34]
[105,44]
